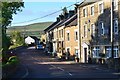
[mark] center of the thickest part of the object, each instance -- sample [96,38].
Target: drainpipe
[64,37]
[112,30]
[119,28]
[79,36]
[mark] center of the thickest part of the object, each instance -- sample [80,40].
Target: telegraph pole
[112,29]
[24,33]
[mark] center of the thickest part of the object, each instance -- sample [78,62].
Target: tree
[17,38]
[5,42]
[7,10]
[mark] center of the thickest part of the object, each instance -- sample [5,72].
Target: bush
[10,67]
[113,63]
[5,58]
[13,60]
[102,55]
[94,60]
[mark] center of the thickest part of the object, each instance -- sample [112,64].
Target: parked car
[39,47]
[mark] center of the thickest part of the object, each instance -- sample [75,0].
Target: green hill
[33,29]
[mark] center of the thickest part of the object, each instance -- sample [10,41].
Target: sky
[37,9]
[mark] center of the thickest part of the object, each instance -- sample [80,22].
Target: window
[76,35]
[95,52]
[68,37]
[116,26]
[85,31]
[84,12]
[68,49]
[92,10]
[101,8]
[62,32]
[108,52]
[59,33]
[76,52]
[101,26]
[116,52]
[52,35]
[115,4]
[92,29]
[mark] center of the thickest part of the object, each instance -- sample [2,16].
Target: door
[85,52]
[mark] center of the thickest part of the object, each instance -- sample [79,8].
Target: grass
[0,59]
[15,46]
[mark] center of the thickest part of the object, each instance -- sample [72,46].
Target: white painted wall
[29,40]
[84,45]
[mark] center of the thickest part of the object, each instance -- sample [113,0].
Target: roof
[34,37]
[54,23]
[63,21]
[87,2]
[58,24]
[67,22]
[72,21]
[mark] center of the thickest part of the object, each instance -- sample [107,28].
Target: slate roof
[34,37]
[72,21]
[67,22]
[58,24]
[87,2]
[54,23]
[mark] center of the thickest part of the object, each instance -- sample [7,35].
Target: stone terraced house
[95,29]
[86,31]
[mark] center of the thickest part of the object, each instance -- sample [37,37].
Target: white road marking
[61,69]
[53,66]
[97,68]
[26,74]
[57,67]
[117,73]
[69,73]
[84,66]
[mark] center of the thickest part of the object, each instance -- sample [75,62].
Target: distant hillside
[32,29]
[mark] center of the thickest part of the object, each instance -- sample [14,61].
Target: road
[38,65]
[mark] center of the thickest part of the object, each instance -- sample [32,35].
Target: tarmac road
[35,64]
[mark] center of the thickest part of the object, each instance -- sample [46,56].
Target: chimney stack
[65,15]
[71,13]
[61,17]
[58,19]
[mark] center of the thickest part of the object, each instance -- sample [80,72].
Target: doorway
[85,53]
